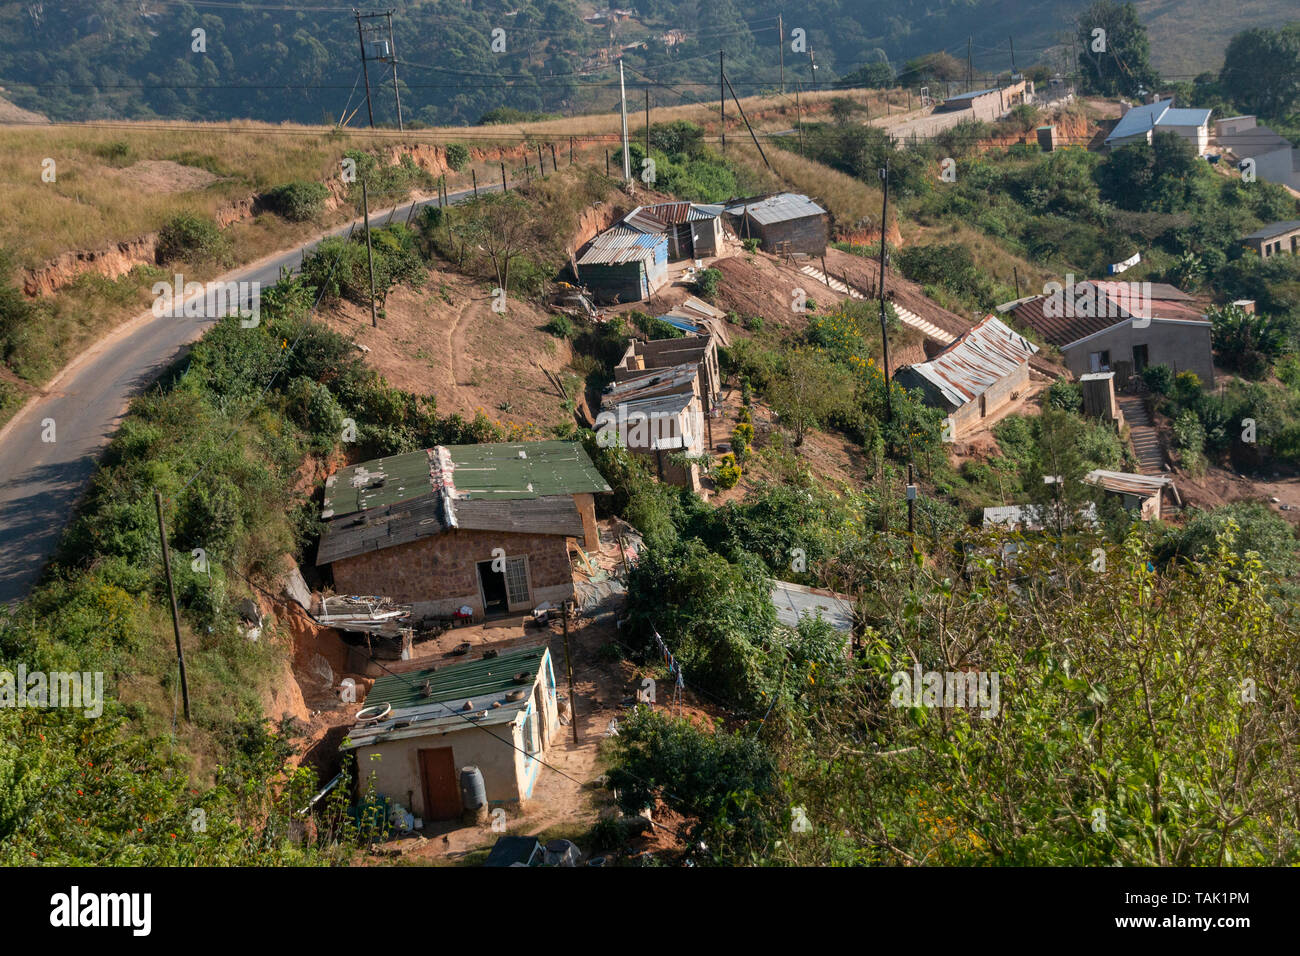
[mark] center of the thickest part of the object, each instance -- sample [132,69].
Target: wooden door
[441,788]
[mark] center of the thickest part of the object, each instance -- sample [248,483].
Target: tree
[1118,61]
[1055,476]
[809,389]
[1261,70]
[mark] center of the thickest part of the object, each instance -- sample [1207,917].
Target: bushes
[726,473]
[1248,343]
[560,326]
[457,156]
[1189,436]
[1065,395]
[1159,378]
[706,284]
[297,201]
[193,240]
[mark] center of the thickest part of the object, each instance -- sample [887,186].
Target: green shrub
[1159,378]
[457,156]
[1189,436]
[189,238]
[726,473]
[1065,395]
[706,283]
[560,326]
[297,201]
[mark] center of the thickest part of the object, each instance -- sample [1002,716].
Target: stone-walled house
[485,526]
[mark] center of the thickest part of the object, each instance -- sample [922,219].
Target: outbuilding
[419,729]
[624,265]
[782,223]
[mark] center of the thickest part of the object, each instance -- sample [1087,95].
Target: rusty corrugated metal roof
[620,245]
[982,356]
[1113,299]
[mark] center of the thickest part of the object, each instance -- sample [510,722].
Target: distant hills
[298,59]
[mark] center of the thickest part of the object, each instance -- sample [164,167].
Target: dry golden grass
[92,204]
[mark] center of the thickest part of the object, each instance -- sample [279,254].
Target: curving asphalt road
[40,481]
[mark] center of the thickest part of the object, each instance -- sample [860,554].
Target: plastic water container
[473,792]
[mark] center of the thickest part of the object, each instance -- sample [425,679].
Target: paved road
[40,481]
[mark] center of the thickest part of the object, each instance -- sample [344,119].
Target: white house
[1139,123]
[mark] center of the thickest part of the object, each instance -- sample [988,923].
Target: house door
[1140,359]
[493,585]
[441,789]
[517,593]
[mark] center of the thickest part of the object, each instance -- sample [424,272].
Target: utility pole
[364,69]
[752,134]
[171,593]
[798,112]
[812,62]
[474,177]
[370,255]
[647,122]
[568,666]
[780,47]
[911,502]
[554,166]
[504,187]
[969,75]
[392,56]
[541,166]
[1015,273]
[1012,41]
[722,105]
[884,325]
[622,102]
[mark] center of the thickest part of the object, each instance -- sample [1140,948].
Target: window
[1099,361]
[517,581]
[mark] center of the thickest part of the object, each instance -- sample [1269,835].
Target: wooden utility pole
[555,167]
[911,502]
[622,105]
[741,110]
[798,112]
[504,187]
[1012,41]
[370,254]
[541,166]
[568,666]
[392,56]
[722,105]
[884,325]
[365,70]
[780,47]
[570,150]
[474,176]
[647,122]
[171,593]
[1015,274]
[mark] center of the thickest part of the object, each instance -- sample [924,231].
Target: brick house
[484,526]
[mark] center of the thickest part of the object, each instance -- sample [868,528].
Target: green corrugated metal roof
[482,680]
[545,468]
[494,471]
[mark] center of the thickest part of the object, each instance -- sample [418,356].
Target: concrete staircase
[907,317]
[1146,443]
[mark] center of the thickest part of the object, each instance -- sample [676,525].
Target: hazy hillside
[82,59]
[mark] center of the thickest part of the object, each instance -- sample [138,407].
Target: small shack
[624,265]
[1142,493]
[499,714]
[659,414]
[693,230]
[667,353]
[782,223]
[981,372]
